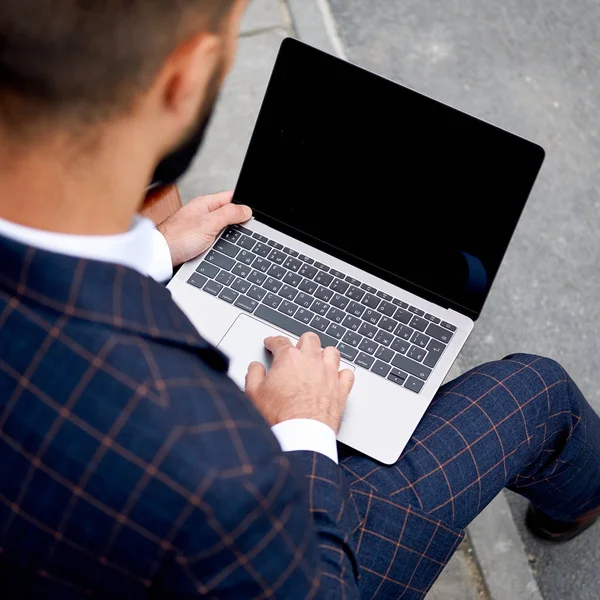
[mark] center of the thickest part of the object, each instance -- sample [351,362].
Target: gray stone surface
[218,165]
[532,67]
[456,581]
[500,553]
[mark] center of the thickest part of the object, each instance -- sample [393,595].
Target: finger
[310,344]
[230,214]
[331,357]
[215,201]
[254,377]
[276,344]
[346,383]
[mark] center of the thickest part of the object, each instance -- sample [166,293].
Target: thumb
[254,377]
[230,214]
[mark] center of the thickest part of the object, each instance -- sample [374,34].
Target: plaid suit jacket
[132,467]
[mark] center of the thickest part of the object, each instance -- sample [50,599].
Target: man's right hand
[304,382]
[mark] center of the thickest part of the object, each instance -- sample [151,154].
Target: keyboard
[370,328]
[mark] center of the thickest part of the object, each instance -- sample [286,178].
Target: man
[132,467]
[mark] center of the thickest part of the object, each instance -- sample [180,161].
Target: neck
[94,190]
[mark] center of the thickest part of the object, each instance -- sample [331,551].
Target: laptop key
[323,294]
[339,301]
[291,252]
[291,325]
[401,346]
[416,311]
[207,270]
[368,288]
[388,324]
[228,295]
[352,323]
[384,296]
[384,337]
[347,352]
[308,271]
[336,331]
[364,360]
[354,282]
[368,346]
[403,316]
[404,332]
[323,278]
[277,257]
[304,316]
[260,238]
[381,368]
[241,270]
[387,308]
[276,271]
[414,385]
[292,279]
[227,248]
[232,235]
[419,323]
[246,257]
[368,330]
[256,278]
[439,333]
[225,278]
[272,285]
[420,339]
[448,326]
[396,377]
[256,293]
[213,288]
[352,339]
[307,286]
[242,229]
[322,267]
[370,301]
[371,316]
[287,292]
[435,350]
[272,300]
[246,242]
[262,265]
[197,280]
[293,264]
[320,323]
[384,354]
[355,309]
[432,318]
[288,308]
[275,244]
[399,303]
[320,308]
[412,367]
[220,260]
[339,286]
[337,274]
[262,250]
[336,315]
[355,294]
[304,300]
[306,259]
[240,285]
[416,353]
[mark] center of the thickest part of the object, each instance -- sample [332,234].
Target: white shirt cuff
[161,265]
[306,434]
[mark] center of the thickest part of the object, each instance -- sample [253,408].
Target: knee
[541,365]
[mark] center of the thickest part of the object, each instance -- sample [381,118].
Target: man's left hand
[193,228]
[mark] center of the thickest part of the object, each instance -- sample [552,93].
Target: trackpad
[245,343]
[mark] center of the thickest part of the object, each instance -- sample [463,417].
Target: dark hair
[85,60]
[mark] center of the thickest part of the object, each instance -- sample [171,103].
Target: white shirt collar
[142,248]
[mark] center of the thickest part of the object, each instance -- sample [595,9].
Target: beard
[173,166]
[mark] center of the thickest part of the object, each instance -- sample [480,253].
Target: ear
[184,80]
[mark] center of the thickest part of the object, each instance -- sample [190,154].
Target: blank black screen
[398,184]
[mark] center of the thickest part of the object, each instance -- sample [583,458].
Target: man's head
[74,68]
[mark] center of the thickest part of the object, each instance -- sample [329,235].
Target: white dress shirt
[144,249]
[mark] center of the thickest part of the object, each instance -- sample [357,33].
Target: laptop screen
[391,181]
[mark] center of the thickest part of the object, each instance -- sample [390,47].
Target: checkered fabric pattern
[132,467]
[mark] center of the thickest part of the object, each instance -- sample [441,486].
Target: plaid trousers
[132,467]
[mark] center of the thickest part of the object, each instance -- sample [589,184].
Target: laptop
[381,218]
